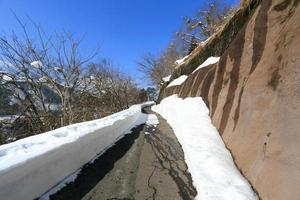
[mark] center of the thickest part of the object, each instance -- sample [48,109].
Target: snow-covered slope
[213,171]
[207,62]
[178,81]
[31,166]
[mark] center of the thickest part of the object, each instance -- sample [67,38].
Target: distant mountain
[8,105]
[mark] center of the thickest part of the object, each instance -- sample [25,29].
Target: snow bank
[180,61]
[213,171]
[178,81]
[31,166]
[209,61]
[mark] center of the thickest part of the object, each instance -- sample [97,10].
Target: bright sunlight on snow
[167,78]
[152,120]
[61,152]
[213,171]
[180,61]
[178,81]
[208,61]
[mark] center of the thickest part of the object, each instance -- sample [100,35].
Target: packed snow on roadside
[178,81]
[152,120]
[208,61]
[180,61]
[26,164]
[167,78]
[213,171]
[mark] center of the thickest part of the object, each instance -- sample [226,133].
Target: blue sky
[124,29]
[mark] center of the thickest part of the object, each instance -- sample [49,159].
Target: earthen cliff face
[254,98]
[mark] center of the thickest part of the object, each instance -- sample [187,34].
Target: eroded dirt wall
[254,98]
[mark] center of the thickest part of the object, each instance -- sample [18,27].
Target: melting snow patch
[213,171]
[209,61]
[178,81]
[180,61]
[152,120]
[167,78]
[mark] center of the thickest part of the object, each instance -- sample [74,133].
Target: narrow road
[146,164]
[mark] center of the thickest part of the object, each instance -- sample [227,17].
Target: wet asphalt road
[139,166]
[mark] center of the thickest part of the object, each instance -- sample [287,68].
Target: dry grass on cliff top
[243,12]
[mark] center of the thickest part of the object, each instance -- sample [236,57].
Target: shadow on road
[91,174]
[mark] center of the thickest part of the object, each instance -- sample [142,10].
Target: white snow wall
[29,177]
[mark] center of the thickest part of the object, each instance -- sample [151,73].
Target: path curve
[139,166]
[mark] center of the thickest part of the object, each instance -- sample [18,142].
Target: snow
[180,61]
[152,120]
[6,78]
[52,106]
[43,79]
[58,69]
[36,64]
[27,164]
[213,171]
[207,62]
[178,81]
[167,78]
[10,139]
[8,118]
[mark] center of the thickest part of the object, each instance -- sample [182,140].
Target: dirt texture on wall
[254,97]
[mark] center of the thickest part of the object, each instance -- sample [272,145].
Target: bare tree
[31,68]
[155,69]
[205,23]
[115,90]
[52,84]
[148,65]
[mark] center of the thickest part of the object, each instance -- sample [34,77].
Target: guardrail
[31,166]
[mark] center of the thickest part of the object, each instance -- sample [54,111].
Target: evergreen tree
[152,94]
